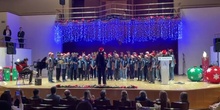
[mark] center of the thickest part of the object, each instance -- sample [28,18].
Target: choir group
[143,66]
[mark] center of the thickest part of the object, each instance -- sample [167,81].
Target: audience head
[103,93]
[87,95]
[25,60]
[4,105]
[36,92]
[143,94]
[163,96]
[124,95]
[7,27]
[67,92]
[183,97]
[163,99]
[84,105]
[7,91]
[6,97]
[53,90]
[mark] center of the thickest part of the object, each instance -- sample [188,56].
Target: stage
[201,94]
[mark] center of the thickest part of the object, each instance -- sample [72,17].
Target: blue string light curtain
[125,31]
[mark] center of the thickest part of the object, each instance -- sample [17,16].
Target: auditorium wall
[199,27]
[3,17]
[38,32]
[197,2]
[13,21]
[39,35]
[31,7]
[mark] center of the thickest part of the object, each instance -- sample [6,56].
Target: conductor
[100,62]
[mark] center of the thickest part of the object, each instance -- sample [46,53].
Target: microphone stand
[184,65]
[218,58]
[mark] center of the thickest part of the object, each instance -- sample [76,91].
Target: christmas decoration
[122,30]
[1,73]
[195,73]
[93,86]
[212,74]
[6,74]
[205,61]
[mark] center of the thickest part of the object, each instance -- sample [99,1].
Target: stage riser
[198,98]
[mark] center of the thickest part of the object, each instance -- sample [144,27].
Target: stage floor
[143,85]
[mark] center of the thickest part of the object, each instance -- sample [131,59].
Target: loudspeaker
[11,48]
[38,81]
[62,2]
[216,45]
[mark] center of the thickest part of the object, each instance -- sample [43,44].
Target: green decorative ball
[195,73]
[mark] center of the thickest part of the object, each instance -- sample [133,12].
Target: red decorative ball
[212,74]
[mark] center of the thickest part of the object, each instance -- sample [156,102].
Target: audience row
[88,101]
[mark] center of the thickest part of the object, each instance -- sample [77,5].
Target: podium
[164,65]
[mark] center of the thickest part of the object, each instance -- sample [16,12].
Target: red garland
[93,86]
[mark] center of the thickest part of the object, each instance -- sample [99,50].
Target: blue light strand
[57,34]
[125,31]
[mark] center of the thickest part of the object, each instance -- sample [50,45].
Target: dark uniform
[132,65]
[21,38]
[87,68]
[93,68]
[58,68]
[146,64]
[100,63]
[139,63]
[80,68]
[50,63]
[64,68]
[117,69]
[109,68]
[153,69]
[73,68]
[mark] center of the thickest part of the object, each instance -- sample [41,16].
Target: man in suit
[101,66]
[53,95]
[68,96]
[21,34]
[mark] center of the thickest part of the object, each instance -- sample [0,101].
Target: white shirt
[7,33]
[21,107]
